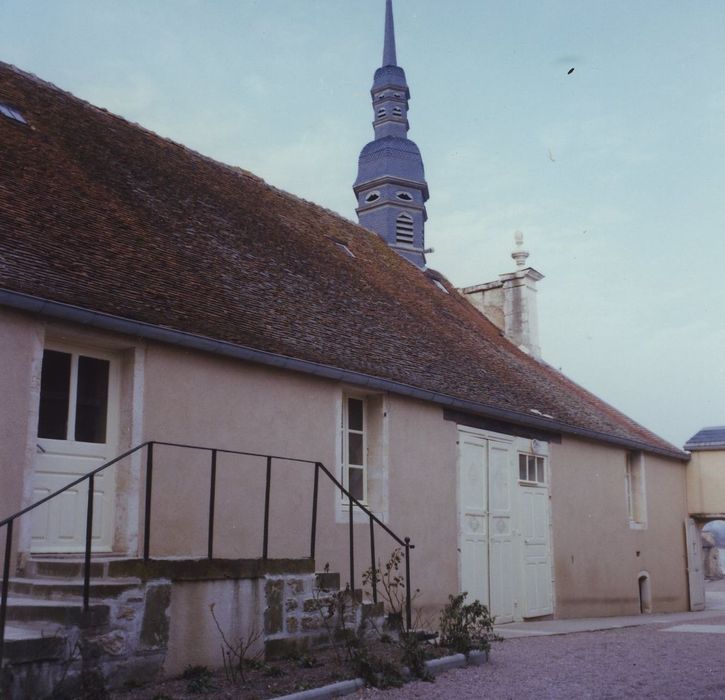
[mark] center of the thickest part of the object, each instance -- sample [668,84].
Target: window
[12,113]
[404,229]
[354,447]
[405,196]
[532,469]
[344,247]
[372,197]
[381,112]
[73,397]
[397,112]
[635,485]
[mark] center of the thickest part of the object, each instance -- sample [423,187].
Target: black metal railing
[352,503]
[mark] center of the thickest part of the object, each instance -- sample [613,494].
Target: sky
[614,172]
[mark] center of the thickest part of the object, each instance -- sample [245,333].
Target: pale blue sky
[614,173]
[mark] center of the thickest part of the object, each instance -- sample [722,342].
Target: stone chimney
[510,301]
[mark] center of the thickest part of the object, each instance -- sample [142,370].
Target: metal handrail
[149,445]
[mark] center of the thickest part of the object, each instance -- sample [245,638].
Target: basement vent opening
[12,113]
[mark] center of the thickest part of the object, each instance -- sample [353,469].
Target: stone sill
[204,569]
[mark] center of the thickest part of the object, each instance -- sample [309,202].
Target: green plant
[200,679]
[414,657]
[466,626]
[390,583]
[308,661]
[273,672]
[330,606]
[376,672]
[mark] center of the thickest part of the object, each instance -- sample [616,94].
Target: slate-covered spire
[389,58]
[390,187]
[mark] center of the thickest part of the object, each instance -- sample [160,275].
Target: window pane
[532,468]
[355,415]
[92,401]
[540,470]
[54,392]
[356,483]
[522,468]
[355,448]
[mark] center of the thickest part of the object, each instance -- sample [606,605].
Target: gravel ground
[634,662]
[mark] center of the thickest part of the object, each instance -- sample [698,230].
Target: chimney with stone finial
[510,301]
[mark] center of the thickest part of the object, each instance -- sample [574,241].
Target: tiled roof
[101,214]
[707,439]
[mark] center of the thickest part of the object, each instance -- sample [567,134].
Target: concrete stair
[45,620]
[50,591]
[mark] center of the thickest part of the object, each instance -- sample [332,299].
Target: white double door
[505,559]
[77,432]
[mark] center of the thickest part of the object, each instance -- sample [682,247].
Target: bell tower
[390,187]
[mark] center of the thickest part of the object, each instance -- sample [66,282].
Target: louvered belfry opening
[404,229]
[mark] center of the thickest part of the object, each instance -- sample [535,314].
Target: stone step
[47,588]
[25,643]
[65,567]
[56,611]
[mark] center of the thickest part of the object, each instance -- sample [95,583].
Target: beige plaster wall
[199,399]
[597,555]
[706,483]
[20,340]
[192,397]
[194,638]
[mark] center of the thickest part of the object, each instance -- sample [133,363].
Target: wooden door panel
[60,524]
[473,523]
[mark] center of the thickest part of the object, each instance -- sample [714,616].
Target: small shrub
[466,626]
[389,581]
[273,672]
[414,656]
[237,655]
[200,679]
[308,661]
[377,672]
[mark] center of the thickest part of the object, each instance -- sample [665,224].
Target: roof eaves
[704,446]
[109,322]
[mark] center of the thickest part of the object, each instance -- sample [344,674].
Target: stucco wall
[706,483]
[597,555]
[199,399]
[20,339]
[186,396]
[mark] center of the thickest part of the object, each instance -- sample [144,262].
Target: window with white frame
[532,469]
[354,446]
[635,485]
[74,392]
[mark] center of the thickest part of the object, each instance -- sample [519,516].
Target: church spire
[389,58]
[390,187]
